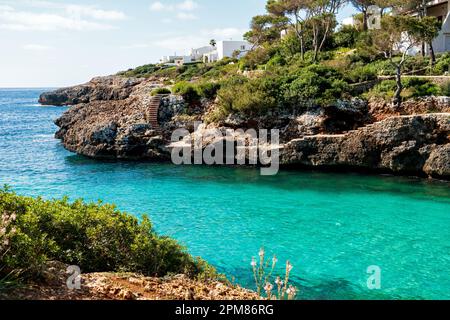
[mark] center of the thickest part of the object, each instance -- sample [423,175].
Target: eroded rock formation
[109,119]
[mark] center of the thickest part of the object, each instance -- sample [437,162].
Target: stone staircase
[153,111]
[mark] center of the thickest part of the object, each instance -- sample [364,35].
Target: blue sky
[50,43]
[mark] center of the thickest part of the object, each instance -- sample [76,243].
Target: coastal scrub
[94,236]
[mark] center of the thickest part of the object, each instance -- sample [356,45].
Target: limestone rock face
[405,144]
[110,119]
[98,89]
[438,164]
[115,127]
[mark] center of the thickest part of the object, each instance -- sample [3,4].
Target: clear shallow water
[331,226]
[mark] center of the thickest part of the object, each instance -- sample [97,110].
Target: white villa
[175,60]
[208,54]
[435,8]
[225,49]
[197,54]
[441,10]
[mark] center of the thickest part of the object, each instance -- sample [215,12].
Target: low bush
[384,90]
[413,88]
[140,72]
[253,59]
[208,89]
[187,90]
[443,64]
[249,97]
[361,74]
[95,236]
[445,89]
[416,87]
[161,91]
[346,37]
[312,85]
[316,84]
[189,71]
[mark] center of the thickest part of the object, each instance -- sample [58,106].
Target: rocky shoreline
[123,286]
[109,119]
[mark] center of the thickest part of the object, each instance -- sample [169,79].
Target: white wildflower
[279,282]
[291,292]
[261,253]
[289,267]
[269,287]
[274,261]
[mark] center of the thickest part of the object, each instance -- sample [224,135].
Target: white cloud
[93,12]
[36,47]
[186,16]
[6,8]
[187,5]
[60,17]
[181,10]
[157,6]
[225,33]
[183,43]
[136,46]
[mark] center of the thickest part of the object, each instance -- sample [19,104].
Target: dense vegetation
[94,236]
[316,63]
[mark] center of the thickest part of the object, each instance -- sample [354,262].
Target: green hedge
[95,236]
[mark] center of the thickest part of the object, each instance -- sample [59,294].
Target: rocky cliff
[417,145]
[98,89]
[109,118]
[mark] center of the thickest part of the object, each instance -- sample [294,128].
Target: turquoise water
[330,226]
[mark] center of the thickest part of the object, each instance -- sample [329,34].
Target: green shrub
[445,89]
[417,87]
[249,97]
[361,73]
[161,91]
[315,84]
[142,71]
[255,58]
[225,61]
[208,89]
[346,37]
[94,236]
[413,88]
[187,90]
[276,60]
[443,64]
[385,90]
[190,71]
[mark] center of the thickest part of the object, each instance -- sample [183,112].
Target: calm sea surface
[332,227]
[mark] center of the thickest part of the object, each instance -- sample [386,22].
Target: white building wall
[172,59]
[197,54]
[442,42]
[227,48]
